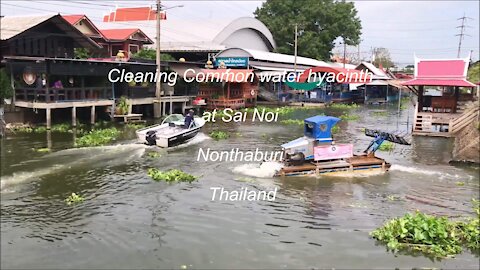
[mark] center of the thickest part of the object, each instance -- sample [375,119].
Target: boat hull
[355,166]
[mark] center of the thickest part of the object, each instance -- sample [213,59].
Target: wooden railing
[468,116]
[63,94]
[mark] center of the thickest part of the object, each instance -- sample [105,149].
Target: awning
[439,82]
[223,75]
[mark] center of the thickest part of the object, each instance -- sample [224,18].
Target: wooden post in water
[49,118]
[74,116]
[92,115]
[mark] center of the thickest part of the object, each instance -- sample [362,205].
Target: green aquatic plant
[404,102]
[335,129]
[43,150]
[460,184]
[40,129]
[430,235]
[349,117]
[219,135]
[170,176]
[63,127]
[97,137]
[386,146]
[380,113]
[135,125]
[154,154]
[74,199]
[292,122]
[343,106]
[22,129]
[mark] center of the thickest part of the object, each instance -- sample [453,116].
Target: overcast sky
[427,28]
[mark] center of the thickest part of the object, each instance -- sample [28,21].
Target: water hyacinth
[97,137]
[349,117]
[74,199]
[386,146]
[219,135]
[343,106]
[431,235]
[170,176]
[292,122]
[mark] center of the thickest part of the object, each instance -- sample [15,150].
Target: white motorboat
[171,131]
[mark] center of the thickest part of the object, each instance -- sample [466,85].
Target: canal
[129,221]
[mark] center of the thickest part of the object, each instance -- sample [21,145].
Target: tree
[151,54]
[319,22]
[6,90]
[82,53]
[473,74]
[382,57]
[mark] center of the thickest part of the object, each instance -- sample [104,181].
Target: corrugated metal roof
[13,25]
[378,73]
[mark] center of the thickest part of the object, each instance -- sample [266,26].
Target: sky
[427,29]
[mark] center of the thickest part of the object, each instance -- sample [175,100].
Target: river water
[129,221]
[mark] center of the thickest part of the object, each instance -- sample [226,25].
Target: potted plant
[122,106]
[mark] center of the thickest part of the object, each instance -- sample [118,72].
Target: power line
[462,32]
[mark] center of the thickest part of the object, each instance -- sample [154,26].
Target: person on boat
[189,118]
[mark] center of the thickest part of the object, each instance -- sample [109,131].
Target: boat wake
[200,137]
[414,170]
[263,170]
[92,156]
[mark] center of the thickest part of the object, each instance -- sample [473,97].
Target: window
[133,48]
[115,49]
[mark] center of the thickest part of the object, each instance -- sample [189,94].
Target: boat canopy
[320,127]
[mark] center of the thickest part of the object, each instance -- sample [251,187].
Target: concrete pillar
[184,105]
[92,115]
[163,108]
[49,118]
[74,116]
[157,110]
[171,105]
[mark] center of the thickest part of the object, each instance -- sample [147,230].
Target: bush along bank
[432,236]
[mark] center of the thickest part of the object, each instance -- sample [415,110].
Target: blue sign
[231,61]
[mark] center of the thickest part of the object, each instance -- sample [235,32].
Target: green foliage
[349,117]
[473,74]
[63,127]
[22,129]
[431,235]
[335,129]
[173,175]
[6,90]
[151,54]
[343,106]
[386,146]
[383,58]
[219,135]
[82,53]
[43,150]
[135,125]
[74,199]
[40,129]
[123,105]
[319,24]
[404,103]
[380,113]
[292,122]
[97,137]
[154,154]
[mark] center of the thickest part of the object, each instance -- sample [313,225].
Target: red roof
[437,72]
[123,34]
[131,14]
[73,19]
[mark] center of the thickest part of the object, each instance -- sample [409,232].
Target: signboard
[335,151]
[231,62]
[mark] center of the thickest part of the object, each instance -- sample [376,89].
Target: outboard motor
[295,159]
[151,137]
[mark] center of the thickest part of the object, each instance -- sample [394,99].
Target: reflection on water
[129,221]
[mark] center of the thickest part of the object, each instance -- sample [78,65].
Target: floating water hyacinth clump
[74,199]
[343,106]
[386,146]
[170,176]
[97,137]
[433,236]
[219,135]
[292,122]
[349,117]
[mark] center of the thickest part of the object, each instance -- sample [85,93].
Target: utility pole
[462,33]
[296,49]
[158,89]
